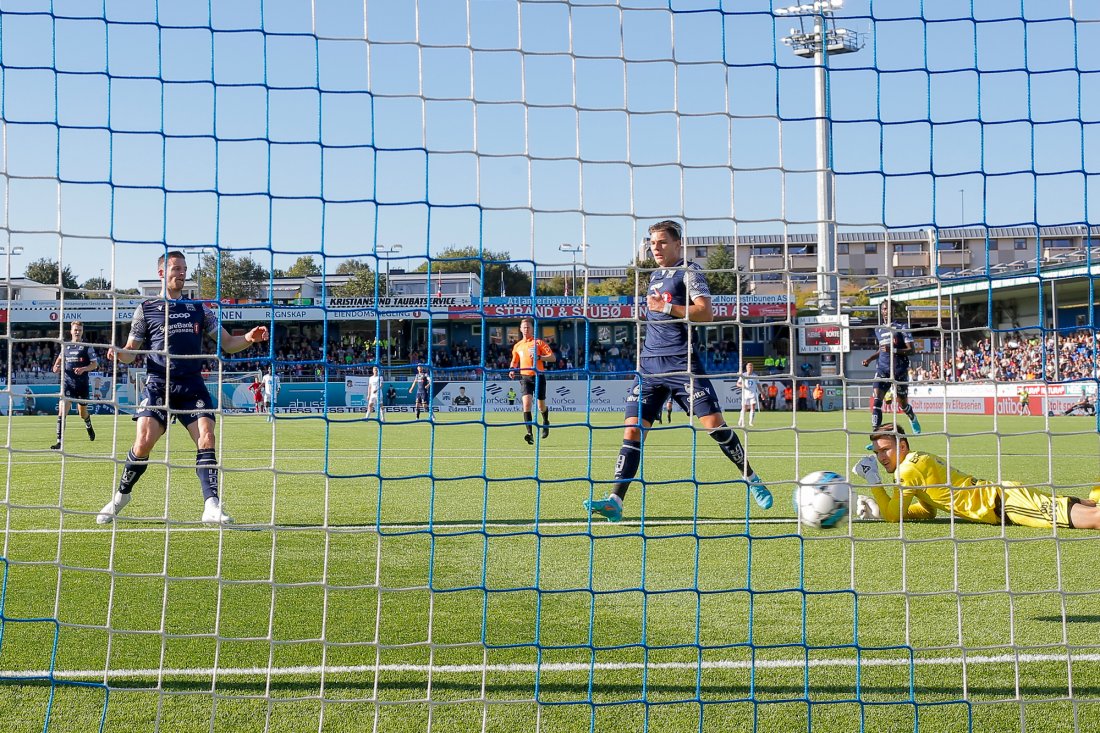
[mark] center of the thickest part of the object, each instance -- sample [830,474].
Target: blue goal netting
[390,186]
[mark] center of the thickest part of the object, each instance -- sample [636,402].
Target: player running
[374,394]
[750,394]
[669,366]
[173,329]
[76,359]
[895,344]
[421,383]
[528,354]
[928,485]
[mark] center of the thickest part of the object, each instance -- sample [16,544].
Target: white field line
[439,527]
[545,668]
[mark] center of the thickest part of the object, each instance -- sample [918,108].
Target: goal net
[391,184]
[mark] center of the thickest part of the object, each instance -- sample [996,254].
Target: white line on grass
[439,527]
[546,668]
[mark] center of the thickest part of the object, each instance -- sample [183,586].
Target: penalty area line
[542,668]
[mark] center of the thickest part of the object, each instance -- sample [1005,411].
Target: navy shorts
[896,378]
[692,391]
[187,400]
[534,386]
[76,393]
[421,395]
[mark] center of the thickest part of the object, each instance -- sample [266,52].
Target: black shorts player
[74,362]
[422,383]
[678,295]
[171,331]
[533,386]
[895,345]
[664,378]
[187,400]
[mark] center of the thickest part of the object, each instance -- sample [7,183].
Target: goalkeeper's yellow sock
[1095,494]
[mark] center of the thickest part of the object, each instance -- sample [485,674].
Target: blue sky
[283,128]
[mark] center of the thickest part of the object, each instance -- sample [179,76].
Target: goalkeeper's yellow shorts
[1033,508]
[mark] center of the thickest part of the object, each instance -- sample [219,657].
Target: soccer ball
[822,499]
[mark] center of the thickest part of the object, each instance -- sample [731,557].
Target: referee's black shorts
[534,385]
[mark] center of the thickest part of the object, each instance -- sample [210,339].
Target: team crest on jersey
[190,306]
[200,404]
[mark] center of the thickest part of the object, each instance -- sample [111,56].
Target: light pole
[573,249]
[823,41]
[388,251]
[962,207]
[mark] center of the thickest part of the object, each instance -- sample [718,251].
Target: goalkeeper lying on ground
[927,485]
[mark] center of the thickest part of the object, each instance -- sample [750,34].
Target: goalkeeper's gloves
[867,508]
[867,469]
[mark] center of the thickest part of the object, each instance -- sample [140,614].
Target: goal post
[390,185]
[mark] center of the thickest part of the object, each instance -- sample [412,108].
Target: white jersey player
[271,389]
[750,394]
[374,394]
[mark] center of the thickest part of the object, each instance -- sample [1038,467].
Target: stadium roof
[1028,277]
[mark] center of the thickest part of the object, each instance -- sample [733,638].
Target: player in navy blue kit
[74,362]
[895,344]
[171,331]
[421,382]
[668,366]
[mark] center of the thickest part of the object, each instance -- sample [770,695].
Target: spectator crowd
[1062,357]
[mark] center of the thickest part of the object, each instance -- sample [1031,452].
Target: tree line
[222,275]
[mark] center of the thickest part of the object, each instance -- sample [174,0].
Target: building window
[870,248]
[871,271]
[1060,243]
[950,245]
[701,252]
[911,247]
[842,248]
[762,251]
[909,272]
[1019,244]
[993,246]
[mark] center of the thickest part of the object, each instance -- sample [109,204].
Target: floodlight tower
[823,41]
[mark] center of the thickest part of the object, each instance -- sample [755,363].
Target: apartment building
[865,256]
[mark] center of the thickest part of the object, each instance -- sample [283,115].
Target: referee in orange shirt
[528,354]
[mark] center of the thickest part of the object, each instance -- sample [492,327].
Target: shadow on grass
[1071,618]
[561,692]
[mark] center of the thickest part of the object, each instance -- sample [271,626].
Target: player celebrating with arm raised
[528,354]
[76,359]
[173,328]
[927,485]
[421,383]
[895,344]
[678,294]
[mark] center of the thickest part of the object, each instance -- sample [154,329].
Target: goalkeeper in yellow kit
[927,485]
